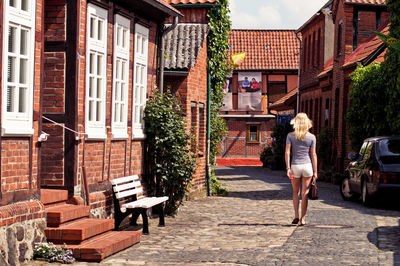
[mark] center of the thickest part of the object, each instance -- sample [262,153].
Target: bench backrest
[127,186]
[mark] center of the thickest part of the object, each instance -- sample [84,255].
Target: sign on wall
[250,84]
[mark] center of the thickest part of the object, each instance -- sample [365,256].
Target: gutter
[162,59]
[298,74]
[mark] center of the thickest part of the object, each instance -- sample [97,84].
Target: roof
[183,44]
[369,47]
[177,2]
[327,68]
[265,49]
[173,10]
[282,101]
[366,2]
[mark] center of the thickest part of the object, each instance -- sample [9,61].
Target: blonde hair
[301,124]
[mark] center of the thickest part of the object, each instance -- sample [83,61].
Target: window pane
[122,91]
[11,69]
[99,64]
[91,86]
[121,113]
[123,70]
[25,5]
[116,96]
[98,111]
[118,69]
[91,63]
[23,71]
[116,112]
[12,31]
[24,42]
[91,110]
[92,25]
[253,129]
[118,36]
[138,43]
[99,88]
[253,136]
[137,112]
[124,37]
[143,45]
[13,3]
[10,99]
[22,100]
[142,95]
[100,30]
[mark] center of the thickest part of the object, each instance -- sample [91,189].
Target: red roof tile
[366,2]
[367,48]
[282,100]
[265,49]
[167,4]
[176,2]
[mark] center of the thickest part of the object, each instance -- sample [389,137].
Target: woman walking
[301,163]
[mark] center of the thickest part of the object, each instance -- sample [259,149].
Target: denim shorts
[302,170]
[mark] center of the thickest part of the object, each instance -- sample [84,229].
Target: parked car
[374,170]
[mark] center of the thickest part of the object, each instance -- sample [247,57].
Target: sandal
[295,221]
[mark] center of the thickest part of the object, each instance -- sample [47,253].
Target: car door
[363,166]
[356,168]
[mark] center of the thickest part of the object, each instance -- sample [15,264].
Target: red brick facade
[324,89]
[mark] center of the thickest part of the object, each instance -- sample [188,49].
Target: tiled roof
[176,2]
[265,49]
[282,100]
[367,48]
[183,44]
[366,2]
[167,4]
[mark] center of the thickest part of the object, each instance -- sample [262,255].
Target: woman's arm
[287,160]
[314,162]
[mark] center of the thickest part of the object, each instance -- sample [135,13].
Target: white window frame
[139,80]
[18,123]
[96,129]
[120,78]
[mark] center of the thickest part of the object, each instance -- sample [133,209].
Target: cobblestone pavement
[252,227]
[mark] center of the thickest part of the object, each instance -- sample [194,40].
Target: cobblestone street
[252,227]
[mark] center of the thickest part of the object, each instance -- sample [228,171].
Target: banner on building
[250,84]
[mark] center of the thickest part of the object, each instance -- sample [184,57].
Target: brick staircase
[90,239]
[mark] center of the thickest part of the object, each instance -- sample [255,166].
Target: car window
[368,150]
[362,150]
[390,147]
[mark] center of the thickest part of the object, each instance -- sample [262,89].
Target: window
[121,77]
[327,112]
[193,122]
[314,51]
[202,127]
[319,48]
[253,133]
[339,39]
[18,67]
[96,72]
[140,79]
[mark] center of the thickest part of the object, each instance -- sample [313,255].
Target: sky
[272,14]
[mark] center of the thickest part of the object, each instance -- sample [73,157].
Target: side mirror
[352,156]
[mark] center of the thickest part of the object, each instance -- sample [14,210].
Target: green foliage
[220,26]
[279,134]
[217,187]
[366,115]
[266,155]
[173,160]
[324,147]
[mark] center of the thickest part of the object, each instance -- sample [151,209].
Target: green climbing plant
[173,152]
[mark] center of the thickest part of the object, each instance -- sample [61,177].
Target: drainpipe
[208,168]
[162,59]
[298,75]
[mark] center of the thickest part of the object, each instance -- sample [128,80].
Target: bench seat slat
[118,188]
[128,193]
[124,179]
[145,202]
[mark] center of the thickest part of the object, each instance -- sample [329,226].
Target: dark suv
[376,168]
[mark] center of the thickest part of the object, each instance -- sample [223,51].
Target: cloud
[272,14]
[264,17]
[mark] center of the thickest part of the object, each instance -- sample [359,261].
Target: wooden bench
[129,190]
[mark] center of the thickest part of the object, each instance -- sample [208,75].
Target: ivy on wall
[218,46]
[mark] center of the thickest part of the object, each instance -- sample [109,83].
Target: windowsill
[91,136]
[253,142]
[17,132]
[119,136]
[138,135]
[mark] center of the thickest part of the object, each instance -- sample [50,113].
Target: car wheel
[345,191]
[365,198]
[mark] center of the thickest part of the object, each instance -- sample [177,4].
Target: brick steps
[79,230]
[57,215]
[104,245]
[90,239]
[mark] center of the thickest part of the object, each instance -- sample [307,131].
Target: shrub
[324,148]
[217,187]
[279,134]
[49,252]
[172,160]
[266,156]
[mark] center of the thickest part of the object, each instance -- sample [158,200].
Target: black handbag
[313,191]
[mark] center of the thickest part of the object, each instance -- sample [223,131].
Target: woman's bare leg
[296,196]
[305,185]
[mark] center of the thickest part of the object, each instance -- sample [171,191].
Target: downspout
[298,75]
[208,168]
[162,59]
